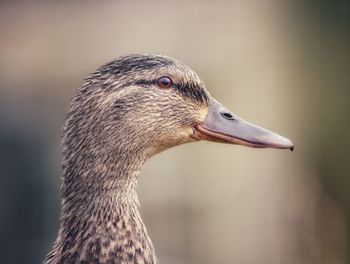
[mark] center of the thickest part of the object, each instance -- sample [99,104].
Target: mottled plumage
[117,120]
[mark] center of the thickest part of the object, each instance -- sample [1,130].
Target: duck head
[150,103]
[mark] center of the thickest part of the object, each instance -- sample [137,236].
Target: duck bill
[221,125]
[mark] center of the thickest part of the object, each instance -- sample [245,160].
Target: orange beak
[221,125]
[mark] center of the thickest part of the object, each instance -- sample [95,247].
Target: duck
[127,111]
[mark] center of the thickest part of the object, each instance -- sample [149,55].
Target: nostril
[227,116]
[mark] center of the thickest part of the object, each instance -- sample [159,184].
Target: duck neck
[100,220]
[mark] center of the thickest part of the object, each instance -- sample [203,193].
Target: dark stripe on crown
[134,63]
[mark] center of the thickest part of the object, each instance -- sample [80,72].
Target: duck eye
[164,82]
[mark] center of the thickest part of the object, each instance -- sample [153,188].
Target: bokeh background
[281,64]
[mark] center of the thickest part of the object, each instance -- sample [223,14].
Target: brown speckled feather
[117,120]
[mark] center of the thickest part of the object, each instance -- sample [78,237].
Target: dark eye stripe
[187,90]
[144,83]
[192,92]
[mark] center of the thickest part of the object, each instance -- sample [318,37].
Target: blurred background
[281,64]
